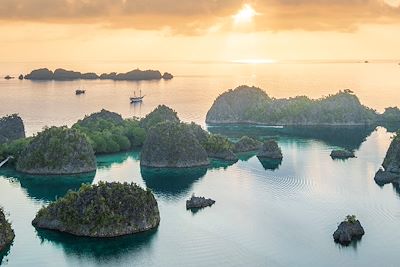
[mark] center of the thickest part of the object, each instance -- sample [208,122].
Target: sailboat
[137,99]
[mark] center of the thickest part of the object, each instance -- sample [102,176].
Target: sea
[267,213]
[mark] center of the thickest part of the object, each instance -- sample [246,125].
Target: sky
[206,30]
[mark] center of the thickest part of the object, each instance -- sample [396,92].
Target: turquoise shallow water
[266,214]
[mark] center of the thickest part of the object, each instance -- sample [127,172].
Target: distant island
[251,105]
[59,74]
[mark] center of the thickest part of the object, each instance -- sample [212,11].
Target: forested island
[57,151]
[59,74]
[11,128]
[251,105]
[102,210]
[164,140]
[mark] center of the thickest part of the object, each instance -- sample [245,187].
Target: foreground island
[103,210]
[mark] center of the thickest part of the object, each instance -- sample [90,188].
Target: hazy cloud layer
[195,16]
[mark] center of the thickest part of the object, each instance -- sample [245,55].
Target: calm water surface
[191,93]
[266,214]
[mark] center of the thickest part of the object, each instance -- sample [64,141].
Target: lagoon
[266,213]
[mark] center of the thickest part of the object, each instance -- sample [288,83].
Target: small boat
[137,99]
[79,92]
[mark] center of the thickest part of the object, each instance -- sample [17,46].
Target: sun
[245,15]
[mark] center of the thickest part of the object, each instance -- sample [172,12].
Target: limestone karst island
[199,133]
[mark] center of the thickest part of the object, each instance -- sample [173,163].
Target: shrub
[351,219]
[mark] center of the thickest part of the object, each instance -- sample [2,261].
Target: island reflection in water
[103,250]
[47,188]
[349,137]
[171,181]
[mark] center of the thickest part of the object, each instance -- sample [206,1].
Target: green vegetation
[217,143]
[57,150]
[14,148]
[246,144]
[171,144]
[252,105]
[201,135]
[11,128]
[391,115]
[109,133]
[161,114]
[351,219]
[103,210]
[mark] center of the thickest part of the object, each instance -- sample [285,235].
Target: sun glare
[254,61]
[245,15]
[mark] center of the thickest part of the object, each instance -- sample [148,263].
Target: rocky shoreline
[390,171]
[6,232]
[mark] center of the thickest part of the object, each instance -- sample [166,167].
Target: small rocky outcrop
[57,151]
[102,115]
[6,232]
[348,230]
[21,77]
[172,145]
[391,163]
[246,144]
[271,150]
[167,76]
[199,202]
[8,77]
[40,74]
[161,114]
[103,210]
[342,154]
[11,128]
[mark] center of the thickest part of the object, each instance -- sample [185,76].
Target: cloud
[197,16]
